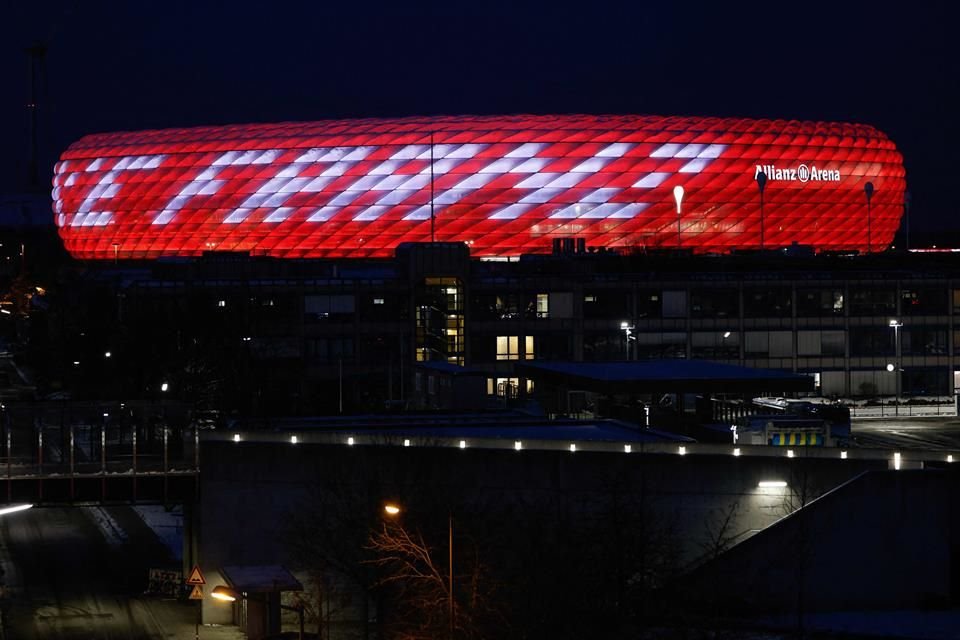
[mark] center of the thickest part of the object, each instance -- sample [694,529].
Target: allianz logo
[802,173]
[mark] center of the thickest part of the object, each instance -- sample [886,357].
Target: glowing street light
[392,510]
[224,594]
[627,329]
[678,196]
[895,368]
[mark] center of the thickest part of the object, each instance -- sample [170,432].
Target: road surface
[78,573]
[936,434]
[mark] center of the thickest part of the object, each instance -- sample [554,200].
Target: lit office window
[543,305]
[508,348]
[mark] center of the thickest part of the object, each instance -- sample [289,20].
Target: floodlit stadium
[503,185]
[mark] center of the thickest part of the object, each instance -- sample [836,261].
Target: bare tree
[420,586]
[720,535]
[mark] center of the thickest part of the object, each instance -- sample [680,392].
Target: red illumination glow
[505,185]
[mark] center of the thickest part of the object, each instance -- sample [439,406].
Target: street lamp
[895,325]
[393,510]
[226,594]
[761,185]
[868,190]
[678,196]
[627,329]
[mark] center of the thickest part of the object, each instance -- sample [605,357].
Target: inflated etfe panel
[504,185]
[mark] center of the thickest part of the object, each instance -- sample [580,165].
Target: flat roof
[506,426]
[663,376]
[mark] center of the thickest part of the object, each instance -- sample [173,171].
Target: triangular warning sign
[197,593]
[195,576]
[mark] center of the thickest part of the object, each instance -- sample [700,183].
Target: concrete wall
[703,503]
[887,539]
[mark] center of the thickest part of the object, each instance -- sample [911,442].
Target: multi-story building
[304,335]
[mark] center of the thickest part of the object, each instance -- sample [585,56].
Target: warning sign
[196,577]
[197,593]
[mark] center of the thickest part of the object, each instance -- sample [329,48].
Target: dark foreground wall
[591,532]
[887,539]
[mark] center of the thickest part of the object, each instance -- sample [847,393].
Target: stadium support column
[761,185]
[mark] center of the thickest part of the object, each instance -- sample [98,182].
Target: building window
[812,303]
[508,348]
[378,301]
[543,305]
[923,302]
[714,303]
[674,304]
[873,301]
[923,341]
[767,302]
[328,306]
[221,303]
[820,343]
[503,387]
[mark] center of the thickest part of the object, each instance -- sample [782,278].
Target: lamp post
[226,594]
[627,333]
[678,196]
[895,325]
[868,190]
[761,185]
[393,510]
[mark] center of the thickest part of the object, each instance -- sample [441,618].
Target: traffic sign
[197,593]
[196,577]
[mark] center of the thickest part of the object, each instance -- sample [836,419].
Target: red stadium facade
[504,185]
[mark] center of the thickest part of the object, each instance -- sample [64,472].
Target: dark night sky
[141,64]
